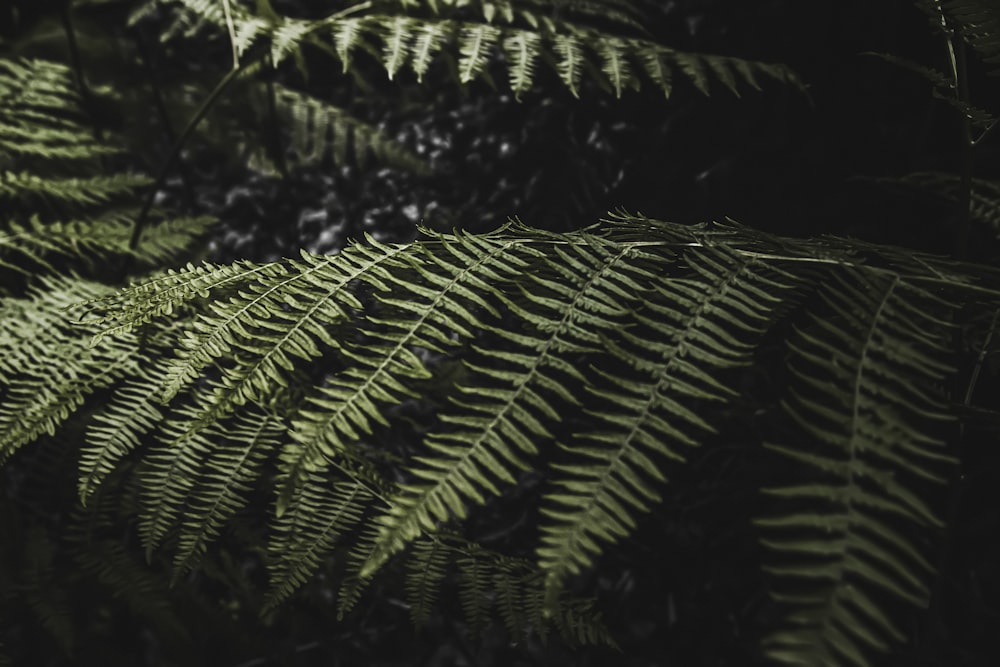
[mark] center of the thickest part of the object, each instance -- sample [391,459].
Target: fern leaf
[224,479]
[614,57]
[430,37]
[431,314]
[677,360]
[126,310]
[521,48]
[476,43]
[48,369]
[426,569]
[288,36]
[80,191]
[866,400]
[654,63]
[325,510]
[475,589]
[116,430]
[347,34]
[695,69]
[493,436]
[571,59]
[317,126]
[979,21]
[397,44]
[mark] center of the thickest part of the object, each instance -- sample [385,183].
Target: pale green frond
[431,313]
[347,35]
[116,430]
[428,40]
[521,48]
[80,191]
[475,46]
[517,391]
[396,43]
[569,50]
[40,115]
[128,309]
[615,63]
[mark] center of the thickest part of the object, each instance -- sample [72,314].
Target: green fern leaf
[347,34]
[493,436]
[325,510]
[571,59]
[397,44]
[225,477]
[48,370]
[521,48]
[476,43]
[117,430]
[614,56]
[429,39]
[426,569]
[866,391]
[677,359]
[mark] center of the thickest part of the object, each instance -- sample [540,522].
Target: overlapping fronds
[48,369]
[33,244]
[866,396]
[681,338]
[525,33]
[59,202]
[641,331]
[39,115]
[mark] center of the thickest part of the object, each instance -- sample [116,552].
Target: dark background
[687,589]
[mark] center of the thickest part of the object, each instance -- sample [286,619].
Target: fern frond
[39,114]
[48,370]
[432,313]
[426,569]
[117,429]
[615,64]
[944,89]
[319,129]
[867,391]
[225,478]
[475,588]
[126,310]
[396,47]
[35,242]
[427,42]
[521,48]
[523,35]
[518,390]
[690,330]
[327,510]
[570,67]
[80,191]
[475,46]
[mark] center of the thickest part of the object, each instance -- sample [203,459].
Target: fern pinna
[640,329]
